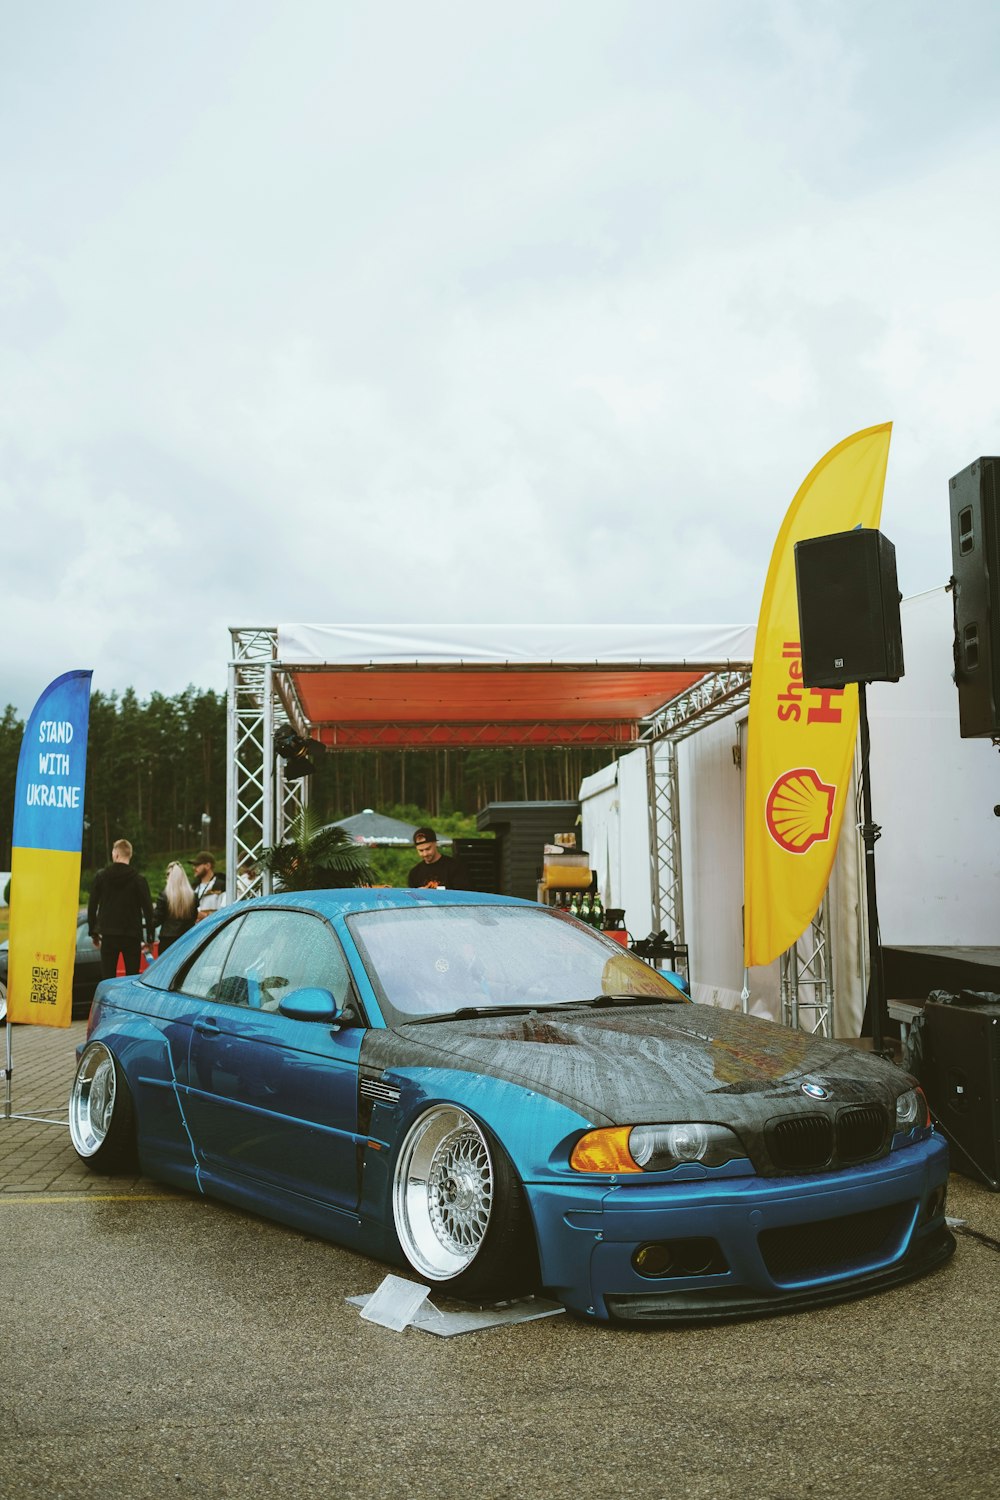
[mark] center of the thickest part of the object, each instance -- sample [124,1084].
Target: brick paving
[36,1155]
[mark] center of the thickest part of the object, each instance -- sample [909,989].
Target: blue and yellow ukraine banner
[800,741]
[45,860]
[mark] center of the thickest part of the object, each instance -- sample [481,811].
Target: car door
[272,1100]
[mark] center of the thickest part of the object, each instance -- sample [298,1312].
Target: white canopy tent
[418,687]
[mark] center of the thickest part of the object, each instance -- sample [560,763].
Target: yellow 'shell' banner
[800,741]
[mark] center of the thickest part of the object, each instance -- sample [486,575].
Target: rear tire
[460,1213]
[101,1116]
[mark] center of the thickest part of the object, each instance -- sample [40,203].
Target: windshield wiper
[597,1002]
[609,1000]
[477,1012]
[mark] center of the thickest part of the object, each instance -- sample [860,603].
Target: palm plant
[316,857]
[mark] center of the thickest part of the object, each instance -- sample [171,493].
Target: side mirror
[310,1004]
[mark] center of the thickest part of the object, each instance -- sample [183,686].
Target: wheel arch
[142,1051]
[532,1129]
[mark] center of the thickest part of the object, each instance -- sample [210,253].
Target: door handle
[208,1028]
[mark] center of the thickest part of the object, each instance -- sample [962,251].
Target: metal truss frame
[806,967]
[260,800]
[714,697]
[663,806]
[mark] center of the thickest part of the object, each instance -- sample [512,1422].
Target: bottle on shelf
[597,911]
[574,906]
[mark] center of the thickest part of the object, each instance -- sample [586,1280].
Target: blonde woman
[176,908]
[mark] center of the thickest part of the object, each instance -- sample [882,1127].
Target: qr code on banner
[44,985]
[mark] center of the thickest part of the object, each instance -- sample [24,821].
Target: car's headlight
[655,1148]
[911,1110]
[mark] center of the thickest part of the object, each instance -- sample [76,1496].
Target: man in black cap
[435,870]
[209,888]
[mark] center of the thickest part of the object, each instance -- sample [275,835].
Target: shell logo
[799,810]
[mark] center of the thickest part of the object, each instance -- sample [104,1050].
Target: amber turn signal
[604,1151]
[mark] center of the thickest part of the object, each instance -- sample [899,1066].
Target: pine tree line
[434,783]
[153,769]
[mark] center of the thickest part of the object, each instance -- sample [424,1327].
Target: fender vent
[378,1091]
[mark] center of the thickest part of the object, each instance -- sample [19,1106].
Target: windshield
[427,962]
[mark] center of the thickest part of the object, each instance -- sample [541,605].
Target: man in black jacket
[119,905]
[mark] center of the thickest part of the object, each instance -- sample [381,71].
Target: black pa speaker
[960,1074]
[975,564]
[848,609]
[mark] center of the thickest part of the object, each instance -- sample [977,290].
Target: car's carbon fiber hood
[641,1064]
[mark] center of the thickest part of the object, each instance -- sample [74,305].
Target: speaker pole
[870,834]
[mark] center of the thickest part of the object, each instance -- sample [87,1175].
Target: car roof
[343,903]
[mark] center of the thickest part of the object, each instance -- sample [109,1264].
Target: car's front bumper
[783,1242]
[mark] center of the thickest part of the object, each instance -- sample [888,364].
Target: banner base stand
[58,1117]
[52,1118]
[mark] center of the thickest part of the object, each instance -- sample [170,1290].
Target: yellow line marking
[91,1198]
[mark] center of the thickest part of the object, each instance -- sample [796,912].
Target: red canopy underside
[454,706]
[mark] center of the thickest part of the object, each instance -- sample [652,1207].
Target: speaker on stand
[974,495]
[848,609]
[850,631]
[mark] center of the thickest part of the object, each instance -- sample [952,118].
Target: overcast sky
[328,311]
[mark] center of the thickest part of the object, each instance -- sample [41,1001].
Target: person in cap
[209,888]
[435,870]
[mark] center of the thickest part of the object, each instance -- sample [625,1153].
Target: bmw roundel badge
[815,1091]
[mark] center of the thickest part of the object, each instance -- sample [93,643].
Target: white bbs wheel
[101,1123]
[443,1193]
[92,1102]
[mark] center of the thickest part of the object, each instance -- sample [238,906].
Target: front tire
[460,1213]
[101,1117]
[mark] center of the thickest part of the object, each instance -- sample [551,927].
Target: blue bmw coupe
[498,1099]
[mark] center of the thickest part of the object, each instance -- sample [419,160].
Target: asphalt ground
[155,1344]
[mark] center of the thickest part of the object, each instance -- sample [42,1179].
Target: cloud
[413,313]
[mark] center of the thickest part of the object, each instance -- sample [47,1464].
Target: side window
[203,978]
[276,952]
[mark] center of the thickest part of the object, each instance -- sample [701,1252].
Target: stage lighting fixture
[295,752]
